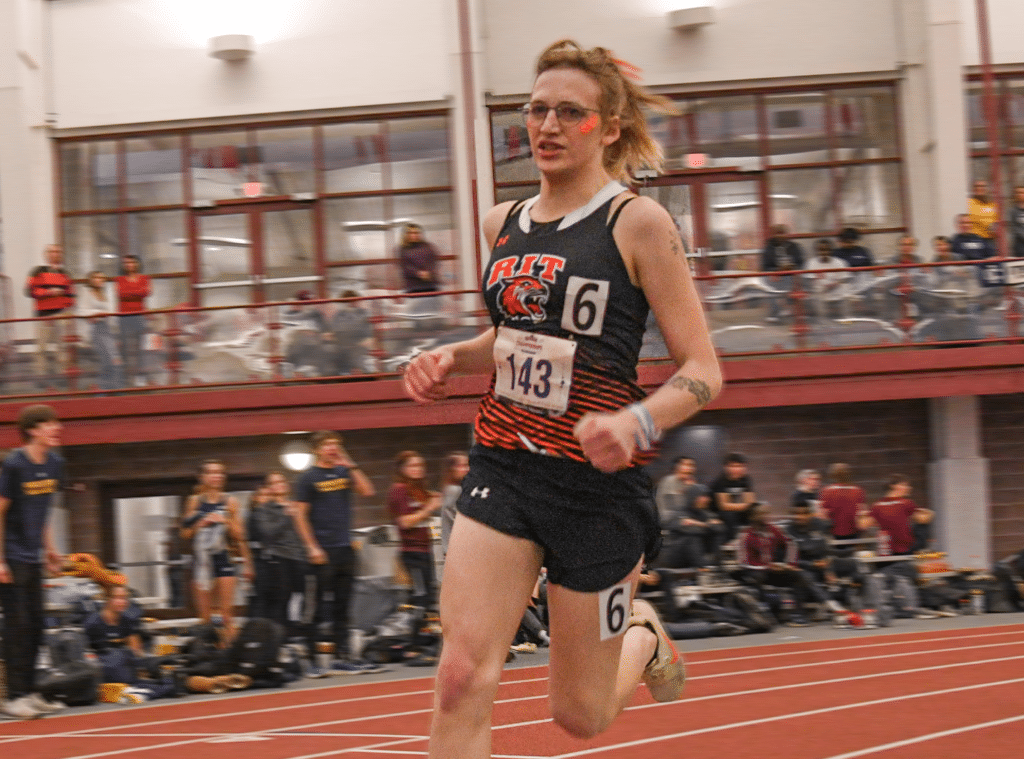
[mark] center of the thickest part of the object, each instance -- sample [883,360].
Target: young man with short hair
[30,477]
[323,519]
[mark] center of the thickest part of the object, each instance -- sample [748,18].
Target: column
[959,480]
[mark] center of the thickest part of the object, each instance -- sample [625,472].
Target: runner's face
[561,147]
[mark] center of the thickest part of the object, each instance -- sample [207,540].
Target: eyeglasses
[568,114]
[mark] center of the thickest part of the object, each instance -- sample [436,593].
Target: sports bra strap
[615,216]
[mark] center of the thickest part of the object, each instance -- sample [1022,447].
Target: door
[255,254]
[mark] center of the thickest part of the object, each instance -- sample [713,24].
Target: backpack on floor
[256,652]
[755,615]
[74,683]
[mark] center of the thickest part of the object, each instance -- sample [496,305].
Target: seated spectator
[1010,573]
[894,516]
[850,251]
[306,351]
[808,483]
[981,209]
[692,534]
[949,289]
[780,254]
[115,634]
[967,244]
[732,495]
[814,552]
[1016,223]
[348,336]
[767,556]
[841,501]
[906,251]
[828,285]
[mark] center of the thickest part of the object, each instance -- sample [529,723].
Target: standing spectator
[981,209]
[132,290]
[323,519]
[97,306]
[29,479]
[808,483]
[54,294]
[255,536]
[841,502]
[851,251]
[894,516]
[213,523]
[732,494]
[410,507]
[284,555]
[967,244]
[456,466]
[1016,223]
[780,254]
[692,534]
[418,259]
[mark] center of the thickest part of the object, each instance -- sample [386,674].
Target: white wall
[751,39]
[1006,22]
[146,61]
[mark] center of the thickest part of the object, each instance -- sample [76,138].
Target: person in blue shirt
[323,519]
[30,478]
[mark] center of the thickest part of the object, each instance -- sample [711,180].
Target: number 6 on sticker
[614,603]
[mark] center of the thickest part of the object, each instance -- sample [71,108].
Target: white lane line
[804,652]
[784,717]
[928,737]
[791,686]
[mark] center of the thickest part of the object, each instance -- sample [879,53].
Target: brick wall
[1003,445]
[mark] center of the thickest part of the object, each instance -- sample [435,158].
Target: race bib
[533,370]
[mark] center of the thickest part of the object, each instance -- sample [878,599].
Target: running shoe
[367,667]
[43,706]
[525,648]
[19,708]
[316,672]
[665,675]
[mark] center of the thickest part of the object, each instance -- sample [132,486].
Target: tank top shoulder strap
[512,212]
[615,215]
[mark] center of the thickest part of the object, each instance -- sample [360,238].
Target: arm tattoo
[699,388]
[675,246]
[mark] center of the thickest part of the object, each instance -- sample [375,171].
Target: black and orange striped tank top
[570,328]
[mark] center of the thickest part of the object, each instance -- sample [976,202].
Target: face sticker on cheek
[589,124]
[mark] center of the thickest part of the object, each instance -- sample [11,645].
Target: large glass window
[230,215]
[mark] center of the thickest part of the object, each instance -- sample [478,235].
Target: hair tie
[628,69]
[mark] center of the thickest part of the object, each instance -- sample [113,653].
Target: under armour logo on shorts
[482,492]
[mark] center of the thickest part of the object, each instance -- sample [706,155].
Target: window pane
[869,196]
[515,193]
[170,292]
[1014,112]
[220,165]
[418,151]
[977,137]
[357,229]
[158,238]
[727,131]
[288,253]
[92,242]
[88,175]
[154,171]
[796,128]
[864,123]
[286,160]
[363,279]
[513,161]
[433,211]
[353,156]
[802,200]
[675,135]
[734,218]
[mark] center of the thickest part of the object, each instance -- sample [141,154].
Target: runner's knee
[581,714]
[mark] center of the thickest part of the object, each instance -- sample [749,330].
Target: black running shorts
[593,527]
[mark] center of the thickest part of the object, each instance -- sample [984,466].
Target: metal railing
[750,314]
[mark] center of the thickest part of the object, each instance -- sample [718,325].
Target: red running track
[943,694]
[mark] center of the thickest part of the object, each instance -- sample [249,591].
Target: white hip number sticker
[533,370]
[613,604]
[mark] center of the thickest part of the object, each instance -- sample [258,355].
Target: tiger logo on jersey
[523,297]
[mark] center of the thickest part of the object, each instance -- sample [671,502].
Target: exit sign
[696,160]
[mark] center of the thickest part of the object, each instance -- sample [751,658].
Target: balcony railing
[750,314]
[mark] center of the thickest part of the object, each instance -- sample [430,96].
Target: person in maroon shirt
[841,502]
[133,288]
[410,506]
[895,514]
[418,259]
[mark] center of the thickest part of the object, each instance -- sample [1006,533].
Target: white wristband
[648,434]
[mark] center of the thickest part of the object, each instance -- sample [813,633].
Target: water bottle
[977,601]
[884,544]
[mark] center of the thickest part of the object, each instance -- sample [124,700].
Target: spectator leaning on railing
[54,294]
[981,210]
